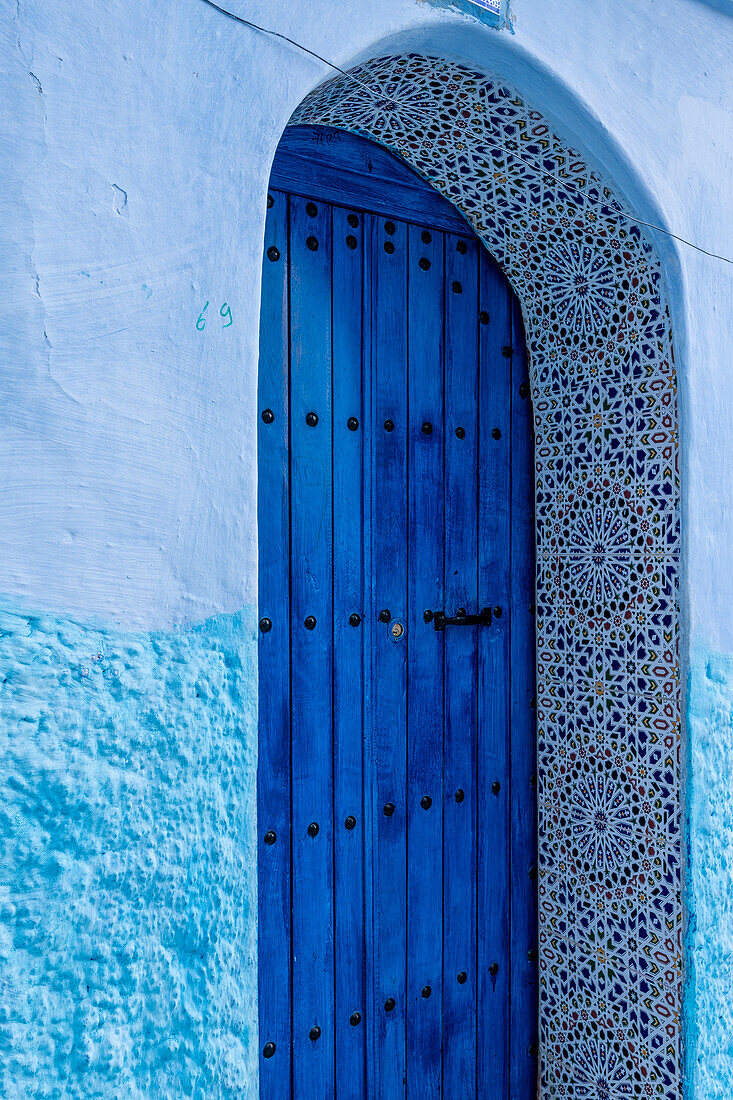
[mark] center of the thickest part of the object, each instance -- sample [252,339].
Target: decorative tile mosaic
[608,544]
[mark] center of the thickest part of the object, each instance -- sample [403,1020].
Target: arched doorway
[396,791]
[608,539]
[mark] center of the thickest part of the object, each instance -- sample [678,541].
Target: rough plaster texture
[127,863]
[136,150]
[710,994]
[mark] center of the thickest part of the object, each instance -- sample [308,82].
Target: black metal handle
[441,620]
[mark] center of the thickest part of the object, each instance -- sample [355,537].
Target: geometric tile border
[608,551]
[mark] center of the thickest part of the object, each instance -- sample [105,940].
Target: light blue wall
[127,862]
[709,1001]
[136,149]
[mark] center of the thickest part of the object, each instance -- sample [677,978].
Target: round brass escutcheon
[397,630]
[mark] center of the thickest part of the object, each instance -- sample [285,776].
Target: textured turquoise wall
[127,860]
[709,1015]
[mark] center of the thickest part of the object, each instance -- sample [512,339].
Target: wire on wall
[386,99]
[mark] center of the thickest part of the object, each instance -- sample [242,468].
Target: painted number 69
[225,313]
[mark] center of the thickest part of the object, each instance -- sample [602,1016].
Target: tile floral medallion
[608,547]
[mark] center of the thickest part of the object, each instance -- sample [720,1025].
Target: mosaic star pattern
[608,544]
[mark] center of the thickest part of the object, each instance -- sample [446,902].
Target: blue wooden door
[397,894]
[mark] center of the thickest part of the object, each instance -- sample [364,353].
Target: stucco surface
[136,144]
[710,992]
[127,869]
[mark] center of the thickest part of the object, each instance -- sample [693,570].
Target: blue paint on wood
[338,167]
[273,776]
[389,706]
[348,654]
[424,309]
[461,533]
[395,478]
[494,839]
[311,648]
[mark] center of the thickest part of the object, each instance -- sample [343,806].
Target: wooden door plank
[335,166]
[273,768]
[311,649]
[389,660]
[524,977]
[371,626]
[461,667]
[348,683]
[425,695]
[494,838]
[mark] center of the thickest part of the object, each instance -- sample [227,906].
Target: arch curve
[608,552]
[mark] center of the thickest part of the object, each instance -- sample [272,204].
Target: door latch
[441,620]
